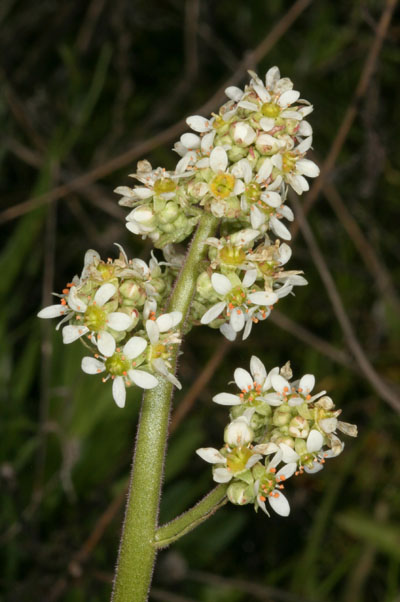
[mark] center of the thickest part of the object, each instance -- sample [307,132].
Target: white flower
[95,319]
[286,392]
[120,366]
[271,490]
[238,432]
[238,302]
[161,336]
[233,462]
[252,385]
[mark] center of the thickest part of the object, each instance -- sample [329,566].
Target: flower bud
[299,427]
[132,291]
[325,402]
[281,416]
[240,493]
[242,133]
[169,213]
[236,153]
[268,145]
[238,433]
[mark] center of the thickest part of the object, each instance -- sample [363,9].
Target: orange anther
[273,470]
[262,498]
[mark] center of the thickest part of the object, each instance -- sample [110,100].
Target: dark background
[87,89]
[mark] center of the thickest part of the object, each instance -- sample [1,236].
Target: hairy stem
[137,549]
[167,534]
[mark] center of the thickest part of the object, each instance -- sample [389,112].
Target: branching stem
[137,550]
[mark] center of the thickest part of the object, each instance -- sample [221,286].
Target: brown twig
[261,592]
[382,388]
[367,253]
[169,133]
[352,109]
[304,335]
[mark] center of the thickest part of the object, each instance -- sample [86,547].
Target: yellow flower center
[253,192]
[237,459]
[288,161]
[236,297]
[270,109]
[95,318]
[117,364]
[158,350]
[106,271]
[231,255]
[222,185]
[164,185]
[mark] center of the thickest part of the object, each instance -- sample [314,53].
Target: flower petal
[106,343]
[218,159]
[190,140]
[92,366]
[198,123]
[306,384]
[237,319]
[221,284]
[143,379]
[53,311]
[221,475]
[234,93]
[287,471]
[118,321]
[279,229]
[226,399]
[288,98]
[118,391]
[279,503]
[153,331]
[280,384]
[258,370]
[213,312]
[74,301]
[211,455]
[134,347]
[289,455]
[243,379]
[315,441]
[307,168]
[227,331]
[72,333]
[104,294]
[262,298]
[249,278]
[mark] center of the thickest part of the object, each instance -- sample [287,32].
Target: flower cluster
[115,308]
[278,428]
[236,165]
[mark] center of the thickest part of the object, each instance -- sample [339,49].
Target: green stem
[167,534]
[137,550]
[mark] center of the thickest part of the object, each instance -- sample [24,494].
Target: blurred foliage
[82,83]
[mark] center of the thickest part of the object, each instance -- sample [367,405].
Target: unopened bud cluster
[115,308]
[277,429]
[236,165]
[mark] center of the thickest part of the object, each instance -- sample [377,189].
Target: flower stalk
[137,550]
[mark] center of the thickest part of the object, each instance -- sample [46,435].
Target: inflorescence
[236,165]
[278,429]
